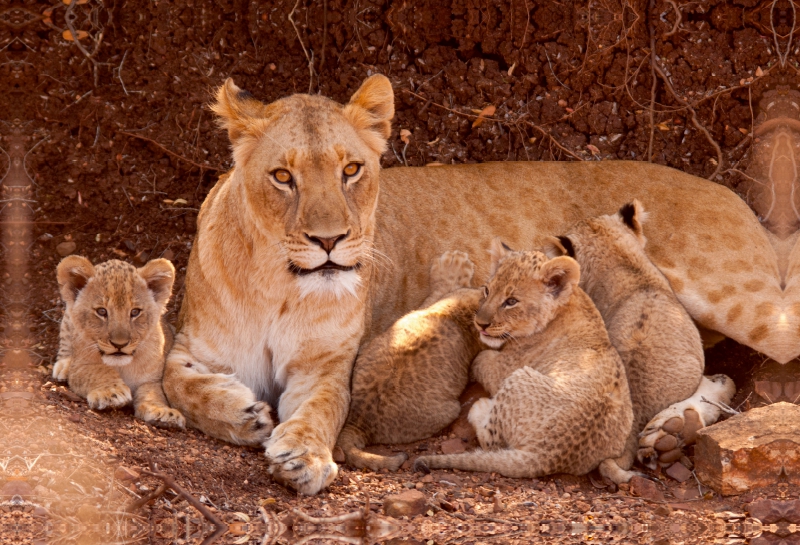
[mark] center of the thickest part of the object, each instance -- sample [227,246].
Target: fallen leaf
[432,142]
[743,130]
[168,201]
[486,112]
[67,35]
[594,149]
[759,72]
[242,516]
[405,135]
[663,127]
[511,69]
[179,202]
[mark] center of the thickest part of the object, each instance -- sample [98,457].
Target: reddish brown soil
[111,159]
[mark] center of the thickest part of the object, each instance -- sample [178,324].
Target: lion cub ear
[371,110]
[498,250]
[633,217]
[560,276]
[236,109]
[159,275]
[73,273]
[558,246]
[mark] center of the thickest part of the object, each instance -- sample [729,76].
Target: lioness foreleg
[312,409]
[217,404]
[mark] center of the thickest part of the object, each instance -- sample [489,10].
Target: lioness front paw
[676,426]
[161,416]
[451,271]
[113,396]
[254,424]
[305,465]
[61,369]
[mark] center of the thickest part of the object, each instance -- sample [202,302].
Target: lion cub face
[114,306]
[308,168]
[524,293]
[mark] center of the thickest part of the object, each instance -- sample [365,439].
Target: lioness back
[702,236]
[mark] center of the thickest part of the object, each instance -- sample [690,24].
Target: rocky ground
[122,149]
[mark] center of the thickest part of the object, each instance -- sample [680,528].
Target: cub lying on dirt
[406,382]
[560,400]
[654,335]
[113,338]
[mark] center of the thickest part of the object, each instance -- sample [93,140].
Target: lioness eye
[101,312]
[135,312]
[352,169]
[510,302]
[283,176]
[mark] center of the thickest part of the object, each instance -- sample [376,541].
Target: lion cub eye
[135,312]
[283,177]
[351,170]
[510,302]
[101,312]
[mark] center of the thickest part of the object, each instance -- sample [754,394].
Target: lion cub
[653,333]
[560,401]
[113,338]
[406,382]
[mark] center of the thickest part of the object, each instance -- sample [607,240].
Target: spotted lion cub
[113,338]
[406,382]
[654,335]
[560,401]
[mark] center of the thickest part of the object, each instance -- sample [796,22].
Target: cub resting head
[113,338]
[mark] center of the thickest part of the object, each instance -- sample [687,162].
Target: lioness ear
[73,273]
[633,216]
[560,276]
[159,275]
[558,246]
[236,108]
[498,250]
[371,110]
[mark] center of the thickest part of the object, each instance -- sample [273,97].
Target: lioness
[297,260]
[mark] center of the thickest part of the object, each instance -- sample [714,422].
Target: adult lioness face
[309,167]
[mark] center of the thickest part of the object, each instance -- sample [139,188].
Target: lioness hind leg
[677,425]
[452,270]
[216,404]
[150,405]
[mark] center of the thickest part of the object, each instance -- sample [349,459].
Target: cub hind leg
[452,270]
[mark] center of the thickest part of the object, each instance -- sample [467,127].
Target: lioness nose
[327,243]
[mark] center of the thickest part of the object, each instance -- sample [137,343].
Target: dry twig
[177,156]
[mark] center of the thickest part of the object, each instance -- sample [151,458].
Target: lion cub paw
[676,426]
[161,416]
[61,369]
[451,271]
[113,396]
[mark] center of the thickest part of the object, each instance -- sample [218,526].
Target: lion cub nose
[327,243]
[119,342]
[481,326]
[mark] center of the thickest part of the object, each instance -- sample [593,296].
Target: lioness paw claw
[116,395]
[307,469]
[61,369]
[451,271]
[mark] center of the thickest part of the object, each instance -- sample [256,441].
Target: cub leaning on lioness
[113,339]
[654,335]
[560,401]
[407,381]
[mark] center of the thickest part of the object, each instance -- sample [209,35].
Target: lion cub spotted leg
[677,425]
[406,382]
